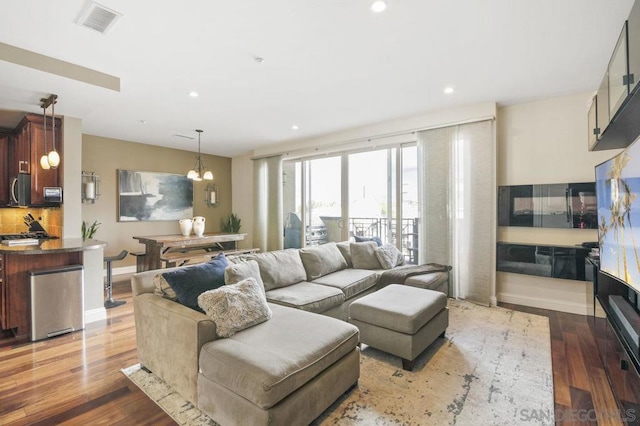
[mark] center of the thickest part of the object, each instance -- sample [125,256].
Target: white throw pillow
[389,256]
[235,307]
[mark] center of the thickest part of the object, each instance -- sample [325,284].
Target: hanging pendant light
[199,172]
[52,159]
[44,160]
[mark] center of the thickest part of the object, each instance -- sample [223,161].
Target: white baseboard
[121,271]
[94,315]
[554,305]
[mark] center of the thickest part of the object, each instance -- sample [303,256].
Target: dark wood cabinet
[15,297]
[31,134]
[5,140]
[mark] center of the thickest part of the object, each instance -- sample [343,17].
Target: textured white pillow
[389,256]
[235,307]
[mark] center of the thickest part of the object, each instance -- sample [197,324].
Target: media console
[617,337]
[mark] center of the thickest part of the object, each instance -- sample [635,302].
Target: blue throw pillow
[190,282]
[377,240]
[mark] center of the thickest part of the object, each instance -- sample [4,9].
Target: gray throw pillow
[241,271]
[389,256]
[363,255]
[280,268]
[321,260]
[345,249]
[235,307]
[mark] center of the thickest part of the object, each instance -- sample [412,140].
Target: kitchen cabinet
[19,152]
[30,134]
[5,140]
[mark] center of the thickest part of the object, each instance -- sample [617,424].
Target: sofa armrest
[170,337]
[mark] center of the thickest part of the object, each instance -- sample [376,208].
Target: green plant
[231,223]
[89,231]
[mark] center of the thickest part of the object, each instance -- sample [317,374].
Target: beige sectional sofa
[286,370]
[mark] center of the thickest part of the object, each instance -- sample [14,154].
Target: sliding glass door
[366,194]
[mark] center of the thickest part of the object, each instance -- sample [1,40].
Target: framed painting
[153,196]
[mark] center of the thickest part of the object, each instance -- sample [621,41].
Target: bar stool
[110,303]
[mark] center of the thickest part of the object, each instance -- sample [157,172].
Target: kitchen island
[16,261]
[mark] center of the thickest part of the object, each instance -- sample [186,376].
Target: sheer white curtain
[457,207]
[267,223]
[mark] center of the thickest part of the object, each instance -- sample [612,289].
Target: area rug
[493,368]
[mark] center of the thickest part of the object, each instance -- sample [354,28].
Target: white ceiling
[329,65]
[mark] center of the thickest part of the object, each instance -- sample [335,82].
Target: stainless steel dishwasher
[57,301]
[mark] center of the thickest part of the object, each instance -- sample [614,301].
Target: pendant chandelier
[199,172]
[51,159]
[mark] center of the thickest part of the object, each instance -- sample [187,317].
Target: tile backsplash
[12,222]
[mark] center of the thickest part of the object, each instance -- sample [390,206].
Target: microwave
[20,190]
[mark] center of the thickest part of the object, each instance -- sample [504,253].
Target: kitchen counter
[67,245]
[16,263]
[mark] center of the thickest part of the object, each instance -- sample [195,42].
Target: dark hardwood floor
[76,378]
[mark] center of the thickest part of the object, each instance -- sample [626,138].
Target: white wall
[546,142]
[72,219]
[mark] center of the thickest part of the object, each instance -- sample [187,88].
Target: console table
[158,246]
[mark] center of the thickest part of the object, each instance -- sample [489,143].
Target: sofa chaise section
[294,353]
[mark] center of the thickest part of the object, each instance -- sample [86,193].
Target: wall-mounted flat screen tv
[617,190]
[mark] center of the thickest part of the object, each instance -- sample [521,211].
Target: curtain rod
[344,144]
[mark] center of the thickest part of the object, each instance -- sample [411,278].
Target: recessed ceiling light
[294,127]
[448,90]
[378,6]
[143,121]
[258,59]
[193,94]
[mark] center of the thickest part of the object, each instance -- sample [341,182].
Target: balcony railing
[367,227]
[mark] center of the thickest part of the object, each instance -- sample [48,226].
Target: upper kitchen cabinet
[32,128]
[5,140]
[618,100]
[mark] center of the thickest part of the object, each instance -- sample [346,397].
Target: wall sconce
[212,195]
[90,187]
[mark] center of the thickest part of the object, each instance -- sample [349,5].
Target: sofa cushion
[190,282]
[389,256]
[267,362]
[235,307]
[280,268]
[345,249]
[307,296]
[163,289]
[363,255]
[322,260]
[350,281]
[237,272]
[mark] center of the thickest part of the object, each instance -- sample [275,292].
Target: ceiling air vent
[97,17]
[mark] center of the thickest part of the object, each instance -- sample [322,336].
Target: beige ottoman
[401,320]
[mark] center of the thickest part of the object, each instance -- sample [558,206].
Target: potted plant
[89,231]
[230,224]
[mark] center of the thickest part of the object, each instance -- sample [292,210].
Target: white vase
[186,225]
[198,225]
